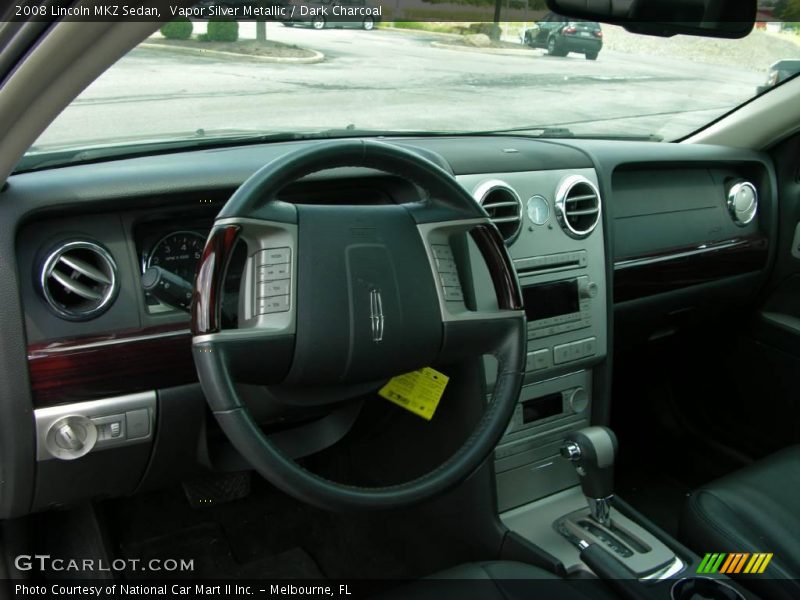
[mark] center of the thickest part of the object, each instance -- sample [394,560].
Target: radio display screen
[551,299]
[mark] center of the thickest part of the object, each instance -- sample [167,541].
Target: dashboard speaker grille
[503,206]
[578,206]
[78,280]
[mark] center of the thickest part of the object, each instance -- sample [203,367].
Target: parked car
[778,72]
[560,36]
[319,14]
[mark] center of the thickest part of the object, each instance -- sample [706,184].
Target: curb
[501,51]
[307,60]
[420,31]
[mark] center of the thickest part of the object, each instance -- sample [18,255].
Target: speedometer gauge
[178,253]
[538,210]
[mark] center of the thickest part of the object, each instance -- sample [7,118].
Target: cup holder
[703,588]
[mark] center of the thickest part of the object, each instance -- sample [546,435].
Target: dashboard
[601,234]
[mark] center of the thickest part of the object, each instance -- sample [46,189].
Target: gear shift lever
[592,450]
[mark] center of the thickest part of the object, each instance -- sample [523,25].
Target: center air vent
[578,206]
[79,280]
[503,206]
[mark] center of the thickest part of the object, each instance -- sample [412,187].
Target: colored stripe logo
[735,562]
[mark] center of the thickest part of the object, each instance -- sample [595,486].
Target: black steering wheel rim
[501,333]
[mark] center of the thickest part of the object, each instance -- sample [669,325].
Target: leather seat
[756,509]
[494,580]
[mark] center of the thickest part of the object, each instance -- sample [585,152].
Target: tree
[261,31]
[788,10]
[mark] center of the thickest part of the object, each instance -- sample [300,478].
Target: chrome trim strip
[700,250]
[672,569]
[104,343]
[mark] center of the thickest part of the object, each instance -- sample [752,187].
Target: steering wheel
[341,295]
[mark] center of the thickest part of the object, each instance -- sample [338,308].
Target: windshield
[198,81]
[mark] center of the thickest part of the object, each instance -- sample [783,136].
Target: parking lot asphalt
[397,80]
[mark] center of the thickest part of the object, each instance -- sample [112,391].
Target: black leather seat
[756,509]
[495,580]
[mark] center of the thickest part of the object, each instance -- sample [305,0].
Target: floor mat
[212,555]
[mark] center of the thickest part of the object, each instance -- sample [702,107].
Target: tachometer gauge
[178,253]
[538,210]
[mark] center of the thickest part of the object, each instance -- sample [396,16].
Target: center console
[553,469]
[559,255]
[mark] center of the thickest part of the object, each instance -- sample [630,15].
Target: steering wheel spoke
[469,331]
[266,303]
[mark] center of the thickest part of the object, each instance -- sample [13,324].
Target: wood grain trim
[655,273]
[492,248]
[124,362]
[210,280]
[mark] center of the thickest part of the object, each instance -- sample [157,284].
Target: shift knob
[592,450]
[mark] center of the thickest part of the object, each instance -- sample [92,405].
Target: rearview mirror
[709,18]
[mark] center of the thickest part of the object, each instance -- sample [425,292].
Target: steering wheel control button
[453,294]
[449,280]
[278,287]
[273,304]
[71,437]
[273,277]
[445,265]
[274,256]
[448,274]
[441,251]
[273,272]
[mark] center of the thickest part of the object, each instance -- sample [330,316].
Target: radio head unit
[558,306]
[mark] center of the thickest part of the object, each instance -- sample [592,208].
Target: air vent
[503,206]
[743,203]
[578,206]
[79,280]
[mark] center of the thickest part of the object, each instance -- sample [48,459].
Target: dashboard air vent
[78,280]
[743,203]
[503,206]
[578,206]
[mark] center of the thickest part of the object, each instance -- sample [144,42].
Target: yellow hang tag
[418,391]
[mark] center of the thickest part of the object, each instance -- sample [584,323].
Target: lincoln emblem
[376,314]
